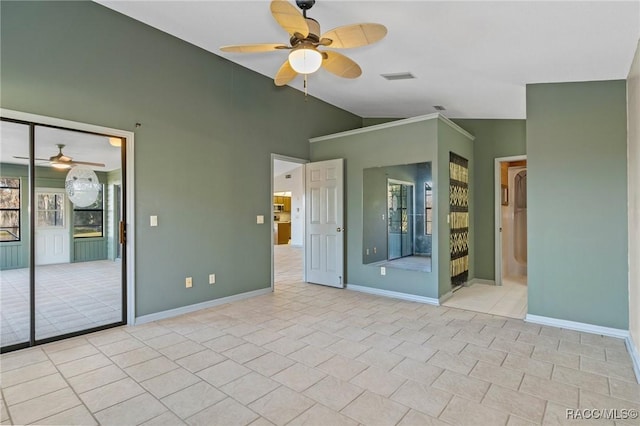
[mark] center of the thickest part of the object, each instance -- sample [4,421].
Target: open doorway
[287,219]
[507,296]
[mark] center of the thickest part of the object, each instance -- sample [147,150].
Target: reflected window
[9,209]
[88,222]
[50,210]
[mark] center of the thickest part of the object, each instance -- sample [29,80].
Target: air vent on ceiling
[398,76]
[439,108]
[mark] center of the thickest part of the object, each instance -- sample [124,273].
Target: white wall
[296,185]
[633,167]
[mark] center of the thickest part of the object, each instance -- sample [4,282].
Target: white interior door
[324,230]
[52,227]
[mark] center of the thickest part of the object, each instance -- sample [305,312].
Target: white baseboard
[578,326]
[635,356]
[196,307]
[393,294]
[481,281]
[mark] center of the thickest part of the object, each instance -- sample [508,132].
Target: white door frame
[302,162]
[129,215]
[498,213]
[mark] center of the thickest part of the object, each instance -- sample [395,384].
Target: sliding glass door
[70,277]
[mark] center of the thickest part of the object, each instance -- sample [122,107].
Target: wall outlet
[188,282]
[375,250]
[367,252]
[260,219]
[212,278]
[383,270]
[153,220]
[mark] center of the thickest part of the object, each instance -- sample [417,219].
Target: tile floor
[69,297]
[315,355]
[507,300]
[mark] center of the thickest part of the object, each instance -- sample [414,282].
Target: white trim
[497,213]
[272,222]
[198,306]
[395,123]
[130,186]
[577,326]
[393,294]
[481,281]
[635,356]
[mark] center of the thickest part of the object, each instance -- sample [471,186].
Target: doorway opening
[507,295]
[287,220]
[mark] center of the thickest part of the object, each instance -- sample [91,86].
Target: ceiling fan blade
[285,74]
[253,48]
[26,158]
[84,163]
[355,35]
[340,65]
[289,18]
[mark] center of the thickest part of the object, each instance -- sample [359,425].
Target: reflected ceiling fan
[305,39]
[61,161]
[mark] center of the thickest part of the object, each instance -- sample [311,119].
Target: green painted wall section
[577,202]
[403,144]
[493,139]
[202,160]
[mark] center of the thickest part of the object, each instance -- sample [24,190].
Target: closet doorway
[62,266]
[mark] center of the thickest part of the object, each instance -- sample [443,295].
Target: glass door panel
[15,317]
[78,275]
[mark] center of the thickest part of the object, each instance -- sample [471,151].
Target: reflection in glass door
[78,281]
[67,276]
[15,313]
[400,224]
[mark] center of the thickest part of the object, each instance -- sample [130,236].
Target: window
[9,209]
[50,210]
[428,209]
[88,221]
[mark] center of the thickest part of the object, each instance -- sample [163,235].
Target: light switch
[259,219]
[153,220]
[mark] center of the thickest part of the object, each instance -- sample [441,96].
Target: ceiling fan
[305,39]
[61,161]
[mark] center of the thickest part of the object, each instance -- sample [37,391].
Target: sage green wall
[416,142]
[493,139]
[202,160]
[404,144]
[577,202]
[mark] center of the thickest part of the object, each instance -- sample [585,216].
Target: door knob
[339,229]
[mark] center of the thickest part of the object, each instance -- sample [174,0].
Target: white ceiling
[473,57]
[78,145]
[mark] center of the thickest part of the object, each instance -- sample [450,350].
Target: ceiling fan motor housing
[305,4]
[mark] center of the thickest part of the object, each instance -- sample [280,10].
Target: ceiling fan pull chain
[305,87]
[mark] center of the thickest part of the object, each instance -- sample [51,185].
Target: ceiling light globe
[305,60]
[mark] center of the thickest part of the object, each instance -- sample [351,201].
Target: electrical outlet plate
[383,270]
[212,278]
[188,282]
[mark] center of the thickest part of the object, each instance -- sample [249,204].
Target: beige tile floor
[69,297]
[316,355]
[507,300]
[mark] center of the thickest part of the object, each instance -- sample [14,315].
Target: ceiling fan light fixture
[305,60]
[61,166]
